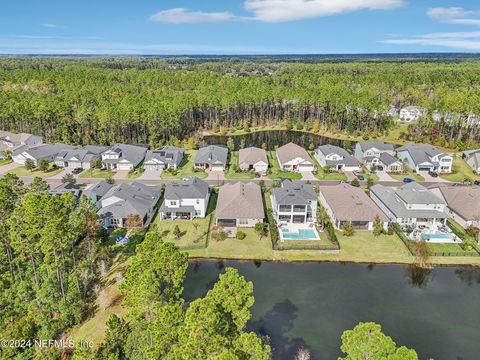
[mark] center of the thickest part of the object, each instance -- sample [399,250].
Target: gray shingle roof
[294,193]
[252,155]
[84,154]
[166,154]
[66,188]
[98,190]
[240,201]
[464,200]
[387,158]
[348,159]
[380,145]
[212,154]
[45,150]
[129,152]
[292,151]
[193,188]
[421,153]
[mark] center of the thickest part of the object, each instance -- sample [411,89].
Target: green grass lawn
[448,248]
[137,172]
[96,173]
[460,171]
[186,168]
[410,174]
[22,171]
[274,169]
[237,175]
[322,175]
[5,162]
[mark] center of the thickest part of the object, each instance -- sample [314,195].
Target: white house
[292,157]
[11,141]
[166,157]
[294,203]
[79,158]
[186,199]
[378,153]
[336,157]
[253,158]
[36,153]
[123,157]
[425,157]
[410,113]
[472,158]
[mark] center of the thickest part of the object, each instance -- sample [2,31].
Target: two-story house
[425,157]
[379,154]
[186,199]
[294,203]
[123,157]
[166,157]
[411,204]
[336,157]
[292,157]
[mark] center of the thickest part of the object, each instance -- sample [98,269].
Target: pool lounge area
[298,232]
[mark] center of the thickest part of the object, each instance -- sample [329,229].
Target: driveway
[383,176]
[308,176]
[350,175]
[61,174]
[120,174]
[430,178]
[8,167]
[216,176]
[150,175]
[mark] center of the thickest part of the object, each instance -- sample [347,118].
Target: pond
[274,138]
[310,305]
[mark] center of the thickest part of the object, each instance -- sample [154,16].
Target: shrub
[348,229]
[241,235]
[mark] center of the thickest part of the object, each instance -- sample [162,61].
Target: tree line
[153,101]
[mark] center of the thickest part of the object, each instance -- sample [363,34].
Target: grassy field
[194,232]
[22,171]
[275,169]
[5,162]
[460,171]
[96,173]
[186,168]
[410,174]
[237,175]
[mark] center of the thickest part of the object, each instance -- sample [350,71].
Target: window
[198,212]
[173,203]
[198,202]
[243,221]
[298,208]
[285,208]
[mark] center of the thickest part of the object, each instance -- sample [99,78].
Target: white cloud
[185,16]
[458,40]
[53,26]
[289,10]
[455,15]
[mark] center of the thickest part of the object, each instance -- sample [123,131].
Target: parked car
[380,168]
[257,175]
[432,174]
[408,180]
[77,171]
[477,182]
[360,177]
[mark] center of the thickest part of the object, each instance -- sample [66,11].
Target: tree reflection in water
[419,276]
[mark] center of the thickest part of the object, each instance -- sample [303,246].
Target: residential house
[294,203]
[37,153]
[336,157]
[185,199]
[79,158]
[253,158]
[292,157]
[393,111]
[472,158]
[123,157]
[410,113]
[425,157]
[66,188]
[345,203]
[126,199]
[410,205]
[368,152]
[166,157]
[239,205]
[212,157]
[389,163]
[11,141]
[96,192]
[463,202]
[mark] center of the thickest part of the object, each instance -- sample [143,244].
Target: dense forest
[157,100]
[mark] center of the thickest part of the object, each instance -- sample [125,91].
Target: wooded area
[158,100]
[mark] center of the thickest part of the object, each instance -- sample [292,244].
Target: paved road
[8,167]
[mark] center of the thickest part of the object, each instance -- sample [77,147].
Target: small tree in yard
[355,182]
[377,226]
[7,155]
[177,232]
[370,182]
[348,229]
[240,235]
[68,179]
[43,165]
[422,252]
[260,229]
[110,180]
[133,221]
[29,164]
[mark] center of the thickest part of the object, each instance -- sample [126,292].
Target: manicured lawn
[460,171]
[274,169]
[322,175]
[237,175]
[447,248]
[22,171]
[96,173]
[410,174]
[5,162]
[136,173]
[186,168]
[372,176]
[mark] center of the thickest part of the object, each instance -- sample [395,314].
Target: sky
[184,27]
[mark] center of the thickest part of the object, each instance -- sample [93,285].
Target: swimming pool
[299,234]
[437,237]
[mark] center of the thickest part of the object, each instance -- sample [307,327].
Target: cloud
[52,26]
[456,40]
[185,16]
[289,10]
[271,11]
[455,15]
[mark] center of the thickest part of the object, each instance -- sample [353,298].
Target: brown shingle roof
[464,200]
[251,156]
[291,151]
[240,200]
[350,203]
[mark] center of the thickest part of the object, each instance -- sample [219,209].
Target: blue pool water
[307,234]
[435,236]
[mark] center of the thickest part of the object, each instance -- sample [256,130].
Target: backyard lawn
[274,169]
[435,247]
[410,174]
[96,173]
[186,168]
[460,171]
[237,175]
[22,171]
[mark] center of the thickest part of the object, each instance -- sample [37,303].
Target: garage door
[124,167]
[305,168]
[152,167]
[217,168]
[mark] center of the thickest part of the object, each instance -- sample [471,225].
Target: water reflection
[469,275]
[417,276]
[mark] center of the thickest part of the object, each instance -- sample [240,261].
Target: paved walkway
[8,167]
[120,174]
[308,176]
